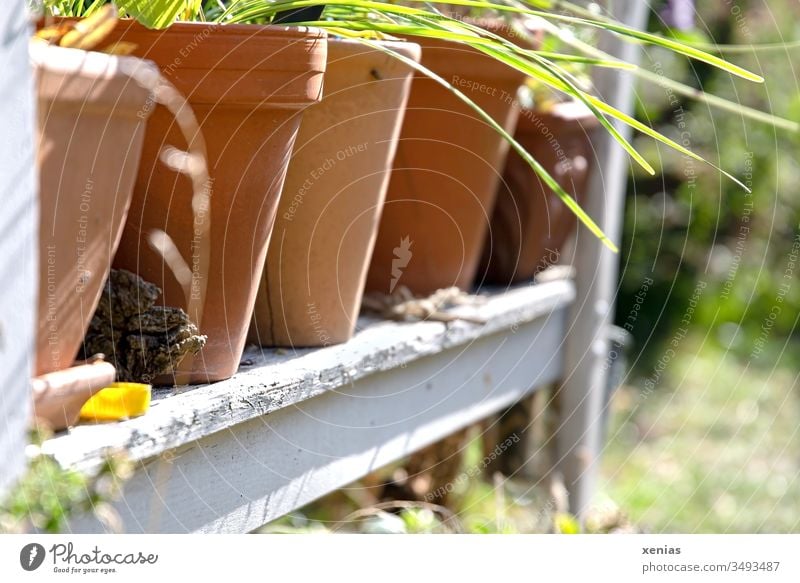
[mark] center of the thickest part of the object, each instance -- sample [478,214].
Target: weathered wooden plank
[273,380]
[19,251]
[264,466]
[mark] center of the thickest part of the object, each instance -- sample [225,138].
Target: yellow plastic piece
[117,401]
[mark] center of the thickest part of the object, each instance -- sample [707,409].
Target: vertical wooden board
[18,238]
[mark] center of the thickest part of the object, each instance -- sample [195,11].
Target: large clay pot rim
[271,41]
[89,78]
[235,65]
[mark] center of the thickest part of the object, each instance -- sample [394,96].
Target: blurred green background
[704,435]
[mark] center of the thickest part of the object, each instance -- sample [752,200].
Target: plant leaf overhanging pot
[530,224]
[445,173]
[247,85]
[91,125]
[328,217]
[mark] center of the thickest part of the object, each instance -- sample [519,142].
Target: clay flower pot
[327,221]
[445,175]
[247,85]
[91,125]
[530,223]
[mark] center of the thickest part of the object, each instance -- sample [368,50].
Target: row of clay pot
[296,209]
[101,140]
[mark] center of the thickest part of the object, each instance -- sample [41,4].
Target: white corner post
[581,395]
[19,248]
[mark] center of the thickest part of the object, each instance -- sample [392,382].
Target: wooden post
[581,394]
[19,250]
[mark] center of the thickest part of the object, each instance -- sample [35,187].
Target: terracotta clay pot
[248,86]
[445,173]
[530,223]
[91,126]
[327,221]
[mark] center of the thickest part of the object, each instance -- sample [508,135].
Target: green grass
[714,449]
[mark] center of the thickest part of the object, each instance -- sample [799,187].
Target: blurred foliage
[716,453]
[688,225]
[704,437]
[47,496]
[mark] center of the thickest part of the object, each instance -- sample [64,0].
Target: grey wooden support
[291,427]
[581,395]
[19,250]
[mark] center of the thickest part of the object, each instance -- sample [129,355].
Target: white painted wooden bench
[293,426]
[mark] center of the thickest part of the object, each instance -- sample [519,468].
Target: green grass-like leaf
[355,18]
[538,168]
[155,13]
